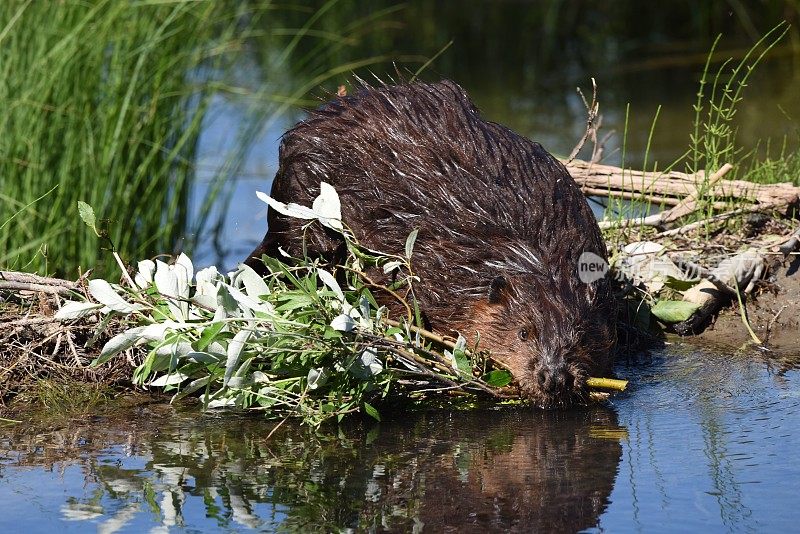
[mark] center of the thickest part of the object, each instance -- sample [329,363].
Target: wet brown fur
[501,225]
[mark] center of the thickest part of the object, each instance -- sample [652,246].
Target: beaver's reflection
[509,470]
[523,471]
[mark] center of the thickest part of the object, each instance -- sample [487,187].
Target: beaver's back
[420,156]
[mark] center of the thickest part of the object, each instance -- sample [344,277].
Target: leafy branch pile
[306,340]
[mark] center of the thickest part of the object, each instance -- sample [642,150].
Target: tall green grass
[98,103]
[104,101]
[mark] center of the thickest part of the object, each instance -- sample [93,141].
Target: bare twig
[591,117]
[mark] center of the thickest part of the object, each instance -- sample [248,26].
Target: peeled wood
[16,281]
[613,181]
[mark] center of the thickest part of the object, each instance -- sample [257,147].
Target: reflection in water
[511,470]
[703,440]
[712,433]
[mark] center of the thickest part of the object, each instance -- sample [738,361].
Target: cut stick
[689,204]
[607,383]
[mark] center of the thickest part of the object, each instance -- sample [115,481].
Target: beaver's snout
[554,379]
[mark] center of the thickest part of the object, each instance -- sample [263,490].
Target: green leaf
[209,333]
[412,238]
[679,285]
[371,411]
[331,333]
[87,215]
[367,293]
[674,311]
[498,378]
[462,362]
[294,301]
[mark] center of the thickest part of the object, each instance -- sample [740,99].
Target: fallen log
[607,180]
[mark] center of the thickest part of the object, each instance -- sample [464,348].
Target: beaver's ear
[498,290]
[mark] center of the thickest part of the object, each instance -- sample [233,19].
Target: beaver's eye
[523,335]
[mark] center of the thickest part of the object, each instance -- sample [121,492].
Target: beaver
[502,226]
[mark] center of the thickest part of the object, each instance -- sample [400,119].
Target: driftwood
[606,180]
[16,281]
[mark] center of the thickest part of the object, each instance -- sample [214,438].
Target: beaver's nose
[552,379]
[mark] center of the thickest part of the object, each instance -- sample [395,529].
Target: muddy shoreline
[773,312]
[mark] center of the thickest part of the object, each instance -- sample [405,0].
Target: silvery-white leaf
[192,386]
[249,303]
[206,301]
[328,279]
[236,382]
[222,403]
[254,285]
[226,302]
[178,349]
[75,310]
[390,266]
[260,377]
[184,271]
[183,262]
[410,240]
[207,278]
[120,342]
[364,308]
[219,314]
[169,380]
[202,357]
[166,280]
[158,331]
[283,253]
[216,348]
[167,284]
[207,287]
[290,210]
[343,323]
[235,348]
[104,293]
[144,274]
[355,313]
[368,364]
[327,207]
[316,378]
[461,343]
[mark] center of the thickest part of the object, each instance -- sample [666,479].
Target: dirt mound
[773,312]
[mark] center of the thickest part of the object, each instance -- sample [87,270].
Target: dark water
[521,62]
[704,440]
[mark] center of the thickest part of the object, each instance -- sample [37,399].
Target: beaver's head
[552,334]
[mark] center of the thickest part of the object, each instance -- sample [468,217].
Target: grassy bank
[102,102]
